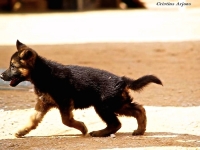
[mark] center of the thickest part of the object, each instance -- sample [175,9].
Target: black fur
[138,84]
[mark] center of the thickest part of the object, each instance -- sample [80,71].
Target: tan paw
[138,132]
[21,133]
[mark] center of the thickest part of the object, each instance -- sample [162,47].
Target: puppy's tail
[138,84]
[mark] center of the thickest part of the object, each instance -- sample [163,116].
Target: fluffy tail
[138,84]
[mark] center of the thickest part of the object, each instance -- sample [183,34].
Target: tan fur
[141,120]
[15,63]
[68,119]
[23,62]
[139,113]
[125,93]
[24,72]
[22,53]
[44,104]
[45,98]
[34,120]
[31,60]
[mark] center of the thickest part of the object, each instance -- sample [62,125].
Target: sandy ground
[172,110]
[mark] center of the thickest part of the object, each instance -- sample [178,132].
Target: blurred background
[80,21]
[79,5]
[67,5]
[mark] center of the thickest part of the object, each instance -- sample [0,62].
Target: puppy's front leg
[41,109]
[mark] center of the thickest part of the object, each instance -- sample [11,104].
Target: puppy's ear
[24,51]
[26,54]
[20,46]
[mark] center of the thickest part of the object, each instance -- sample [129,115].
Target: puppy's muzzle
[1,76]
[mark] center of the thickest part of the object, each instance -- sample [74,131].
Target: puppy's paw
[21,133]
[94,134]
[138,132]
[99,133]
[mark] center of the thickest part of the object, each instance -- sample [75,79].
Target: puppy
[69,87]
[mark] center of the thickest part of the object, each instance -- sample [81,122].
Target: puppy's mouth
[14,82]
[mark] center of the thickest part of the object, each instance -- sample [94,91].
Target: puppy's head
[21,64]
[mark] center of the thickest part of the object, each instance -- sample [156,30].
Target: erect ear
[26,54]
[24,51]
[20,46]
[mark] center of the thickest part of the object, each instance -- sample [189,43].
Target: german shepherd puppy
[69,87]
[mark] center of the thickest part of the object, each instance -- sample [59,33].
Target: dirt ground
[172,110]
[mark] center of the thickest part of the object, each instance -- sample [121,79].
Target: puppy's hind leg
[134,110]
[40,110]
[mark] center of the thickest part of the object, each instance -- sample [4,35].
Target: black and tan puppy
[69,87]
